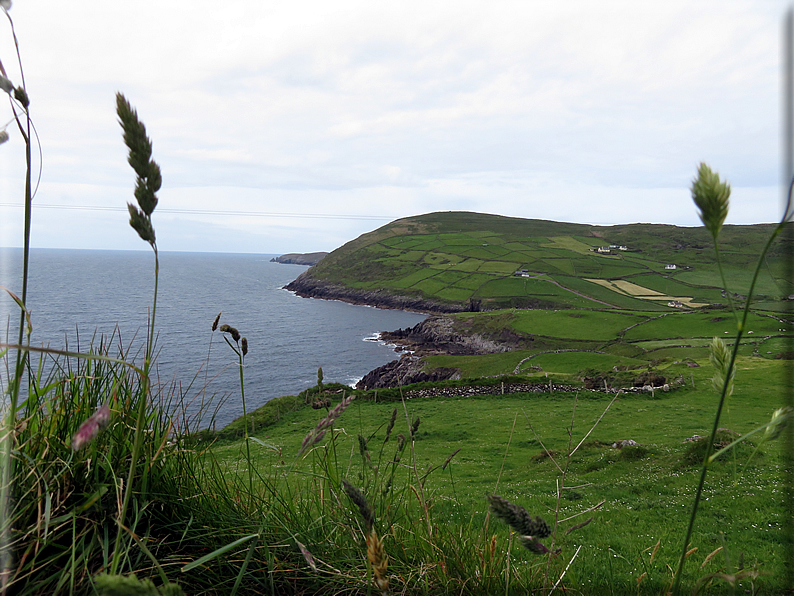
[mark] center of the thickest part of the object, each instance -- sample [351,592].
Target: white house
[669,266]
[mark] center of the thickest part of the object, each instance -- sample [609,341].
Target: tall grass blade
[244,566]
[218,552]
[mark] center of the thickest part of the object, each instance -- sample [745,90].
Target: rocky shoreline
[436,335]
[306,286]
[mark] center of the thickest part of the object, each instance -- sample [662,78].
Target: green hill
[461,261]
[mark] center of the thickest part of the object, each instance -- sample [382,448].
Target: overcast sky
[304,124]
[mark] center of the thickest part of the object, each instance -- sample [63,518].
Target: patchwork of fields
[493,270]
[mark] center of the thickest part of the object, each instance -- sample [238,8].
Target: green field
[575,324]
[604,339]
[705,325]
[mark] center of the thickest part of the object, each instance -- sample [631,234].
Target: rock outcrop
[406,370]
[437,335]
[434,335]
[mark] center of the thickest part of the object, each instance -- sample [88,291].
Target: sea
[77,296]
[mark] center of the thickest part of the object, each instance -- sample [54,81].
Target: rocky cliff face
[308,287]
[434,335]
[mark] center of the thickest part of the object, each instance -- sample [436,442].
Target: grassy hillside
[489,261]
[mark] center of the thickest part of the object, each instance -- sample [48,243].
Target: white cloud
[585,111]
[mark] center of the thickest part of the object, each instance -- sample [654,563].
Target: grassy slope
[455,257]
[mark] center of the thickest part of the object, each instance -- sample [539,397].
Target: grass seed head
[317,433]
[377,556]
[149,178]
[724,373]
[231,331]
[307,556]
[518,518]
[215,322]
[533,545]
[360,501]
[415,427]
[780,418]
[244,346]
[141,224]
[711,197]
[390,427]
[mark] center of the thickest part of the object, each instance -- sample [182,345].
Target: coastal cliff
[438,335]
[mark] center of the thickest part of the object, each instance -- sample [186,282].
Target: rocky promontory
[437,335]
[309,258]
[307,286]
[434,335]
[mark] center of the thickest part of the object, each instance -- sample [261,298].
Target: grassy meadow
[512,445]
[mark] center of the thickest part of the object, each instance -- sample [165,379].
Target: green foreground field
[638,497]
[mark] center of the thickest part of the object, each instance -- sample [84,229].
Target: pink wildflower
[89,430]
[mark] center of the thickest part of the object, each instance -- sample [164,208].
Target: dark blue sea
[74,295]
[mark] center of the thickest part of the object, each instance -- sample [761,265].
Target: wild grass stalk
[148,182]
[240,348]
[19,101]
[214,327]
[711,196]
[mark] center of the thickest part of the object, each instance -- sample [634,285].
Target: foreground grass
[501,444]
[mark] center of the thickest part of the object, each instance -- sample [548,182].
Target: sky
[297,126]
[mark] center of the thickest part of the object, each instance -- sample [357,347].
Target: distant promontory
[309,258]
[460,261]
